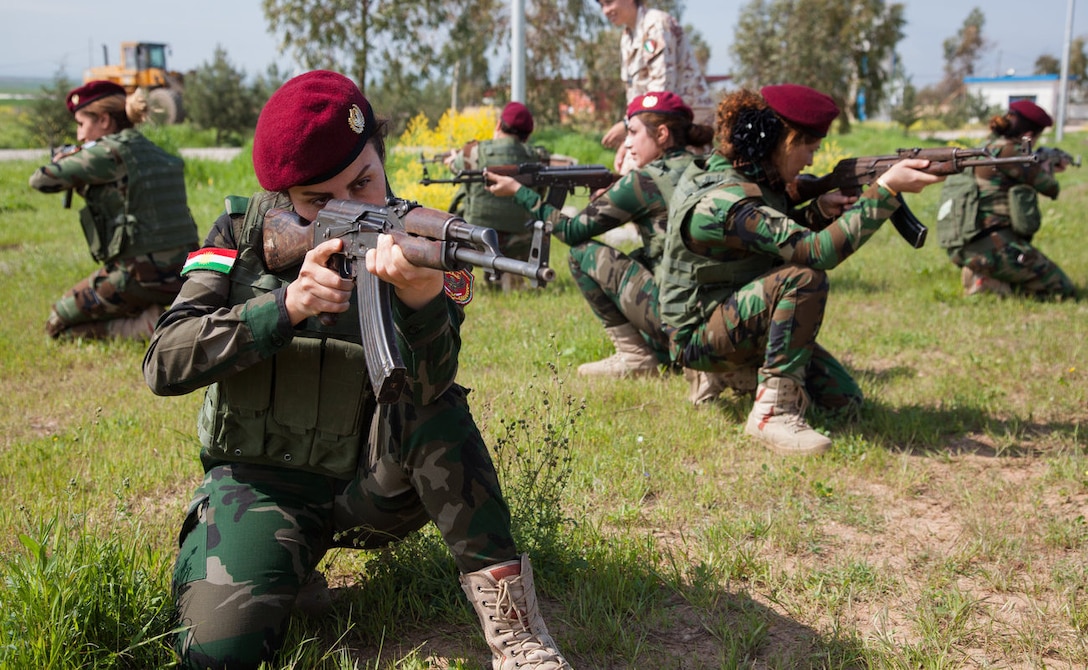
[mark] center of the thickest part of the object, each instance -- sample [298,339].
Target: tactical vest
[958,221]
[484,209]
[145,213]
[305,407]
[665,172]
[692,285]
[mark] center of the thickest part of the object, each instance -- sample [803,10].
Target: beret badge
[75,99]
[356,120]
[649,101]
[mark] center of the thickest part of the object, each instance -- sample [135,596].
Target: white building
[1042,89]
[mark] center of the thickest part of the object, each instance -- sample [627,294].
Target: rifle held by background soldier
[57,154]
[851,175]
[428,237]
[1056,156]
[560,181]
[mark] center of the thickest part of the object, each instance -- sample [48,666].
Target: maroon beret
[660,102]
[1032,113]
[517,117]
[311,128]
[78,98]
[801,106]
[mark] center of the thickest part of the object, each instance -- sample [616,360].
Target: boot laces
[510,621]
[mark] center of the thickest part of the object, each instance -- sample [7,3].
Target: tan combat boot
[504,598]
[633,356]
[778,419]
[975,284]
[707,386]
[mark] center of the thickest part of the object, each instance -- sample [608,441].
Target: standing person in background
[136,219]
[298,456]
[655,56]
[508,146]
[743,278]
[993,243]
[620,287]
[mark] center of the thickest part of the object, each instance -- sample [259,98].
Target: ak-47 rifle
[560,181]
[57,154]
[1056,155]
[851,175]
[428,237]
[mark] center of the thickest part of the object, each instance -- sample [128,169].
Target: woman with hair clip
[743,277]
[136,219]
[994,246]
[620,287]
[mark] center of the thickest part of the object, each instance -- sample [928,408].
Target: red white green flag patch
[216,260]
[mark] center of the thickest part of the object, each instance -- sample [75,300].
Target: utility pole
[517,50]
[1063,85]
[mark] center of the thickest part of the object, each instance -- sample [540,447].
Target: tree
[961,55]
[839,47]
[1078,65]
[47,119]
[217,98]
[907,112]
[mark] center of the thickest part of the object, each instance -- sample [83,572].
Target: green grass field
[946,528]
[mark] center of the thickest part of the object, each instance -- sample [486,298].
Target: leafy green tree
[217,98]
[908,111]
[840,47]
[47,120]
[1078,66]
[962,53]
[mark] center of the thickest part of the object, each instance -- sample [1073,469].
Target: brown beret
[517,117]
[311,128]
[78,98]
[801,106]
[660,102]
[1032,113]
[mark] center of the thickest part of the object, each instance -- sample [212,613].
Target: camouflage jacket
[656,56]
[995,181]
[732,230]
[640,197]
[205,337]
[134,192]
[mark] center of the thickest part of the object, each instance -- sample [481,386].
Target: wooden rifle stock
[851,175]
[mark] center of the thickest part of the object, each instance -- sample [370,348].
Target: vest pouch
[92,233]
[1024,210]
[957,214]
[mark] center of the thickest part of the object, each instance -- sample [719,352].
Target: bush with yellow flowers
[421,141]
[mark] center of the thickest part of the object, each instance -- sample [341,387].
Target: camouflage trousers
[254,533]
[121,289]
[771,324]
[1007,257]
[620,290]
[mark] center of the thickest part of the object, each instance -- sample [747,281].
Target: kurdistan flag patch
[210,258]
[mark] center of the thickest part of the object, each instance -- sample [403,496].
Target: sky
[37,37]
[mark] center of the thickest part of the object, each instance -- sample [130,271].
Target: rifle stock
[428,237]
[851,175]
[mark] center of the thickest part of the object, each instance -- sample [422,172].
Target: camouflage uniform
[136,222]
[620,287]
[298,457]
[744,284]
[656,56]
[480,208]
[992,248]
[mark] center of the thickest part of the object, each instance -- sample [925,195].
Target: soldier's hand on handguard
[615,136]
[415,286]
[501,185]
[318,289]
[906,176]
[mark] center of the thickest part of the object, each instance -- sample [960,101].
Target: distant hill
[10,84]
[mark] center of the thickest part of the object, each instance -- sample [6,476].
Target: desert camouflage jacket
[656,56]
